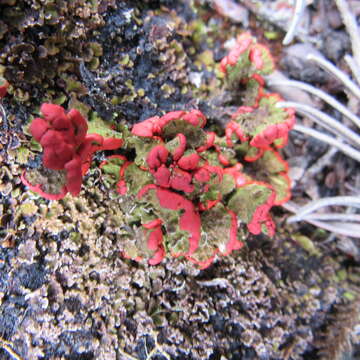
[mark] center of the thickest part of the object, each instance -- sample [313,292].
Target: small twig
[332,69]
[344,148]
[324,120]
[329,201]
[351,27]
[299,9]
[322,95]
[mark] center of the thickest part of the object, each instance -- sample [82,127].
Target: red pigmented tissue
[66,146]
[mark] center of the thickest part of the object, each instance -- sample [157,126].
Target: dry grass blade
[324,202]
[340,228]
[332,69]
[325,120]
[351,27]
[299,10]
[322,95]
[334,217]
[344,148]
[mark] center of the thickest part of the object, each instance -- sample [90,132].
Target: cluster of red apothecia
[196,194]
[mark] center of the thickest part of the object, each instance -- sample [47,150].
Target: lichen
[65,291]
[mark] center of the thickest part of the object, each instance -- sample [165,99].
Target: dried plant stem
[299,9]
[334,217]
[339,228]
[322,95]
[351,27]
[324,120]
[329,201]
[328,66]
[346,149]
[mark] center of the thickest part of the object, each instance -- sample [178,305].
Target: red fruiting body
[246,52]
[181,180]
[231,128]
[202,175]
[189,220]
[256,58]
[153,224]
[239,177]
[189,162]
[73,176]
[154,240]
[261,215]
[210,139]
[157,156]
[121,187]
[179,151]
[154,126]
[146,128]
[66,146]
[162,176]
[243,44]
[261,137]
[155,243]
[186,176]
[233,243]
[38,189]
[195,118]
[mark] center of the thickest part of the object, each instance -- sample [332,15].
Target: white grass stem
[344,148]
[339,229]
[322,95]
[351,26]
[332,69]
[329,201]
[299,9]
[334,217]
[324,120]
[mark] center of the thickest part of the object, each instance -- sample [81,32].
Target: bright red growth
[244,42]
[38,189]
[181,180]
[189,220]
[233,243]
[157,156]
[179,151]
[66,145]
[261,216]
[189,162]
